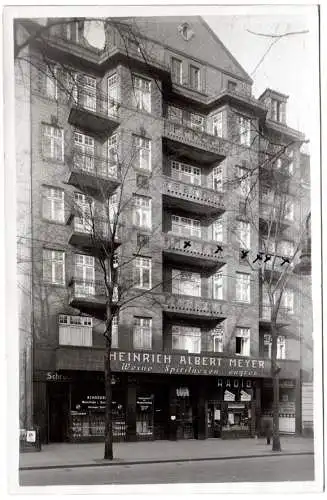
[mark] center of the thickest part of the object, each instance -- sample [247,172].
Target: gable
[204,45]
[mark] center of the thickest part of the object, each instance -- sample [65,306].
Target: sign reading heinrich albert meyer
[188,364]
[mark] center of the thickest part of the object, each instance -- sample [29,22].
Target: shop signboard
[188,364]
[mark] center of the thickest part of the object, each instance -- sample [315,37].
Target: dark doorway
[58,412]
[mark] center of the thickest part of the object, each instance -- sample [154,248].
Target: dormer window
[277,111]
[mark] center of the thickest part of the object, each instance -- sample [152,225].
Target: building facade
[161,121]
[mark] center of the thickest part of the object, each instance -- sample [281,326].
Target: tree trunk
[108,452]
[275,380]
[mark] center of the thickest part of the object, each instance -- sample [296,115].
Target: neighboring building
[180,109]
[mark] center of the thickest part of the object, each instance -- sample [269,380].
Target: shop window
[242,341]
[144,416]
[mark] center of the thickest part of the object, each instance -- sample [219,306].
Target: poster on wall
[217,415]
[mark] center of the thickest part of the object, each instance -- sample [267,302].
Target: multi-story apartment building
[168,100]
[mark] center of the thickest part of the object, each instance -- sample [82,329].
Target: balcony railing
[194,306]
[88,170]
[197,138]
[209,199]
[190,249]
[284,314]
[93,232]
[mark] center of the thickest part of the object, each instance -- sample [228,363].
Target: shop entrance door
[185,420]
[57,412]
[214,419]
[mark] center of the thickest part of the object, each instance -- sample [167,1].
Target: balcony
[194,307]
[196,199]
[91,234]
[194,143]
[200,253]
[284,315]
[88,296]
[93,173]
[272,217]
[93,113]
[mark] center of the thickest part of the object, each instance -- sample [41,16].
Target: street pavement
[271,469]
[150,452]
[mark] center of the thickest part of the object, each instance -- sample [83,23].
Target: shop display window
[144,416]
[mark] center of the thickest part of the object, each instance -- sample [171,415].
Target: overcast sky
[289,67]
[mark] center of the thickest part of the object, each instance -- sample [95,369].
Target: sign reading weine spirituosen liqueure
[188,364]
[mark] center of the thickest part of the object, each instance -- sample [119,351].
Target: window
[142,272]
[112,155]
[186,173]
[217,230]
[186,31]
[142,333]
[114,332]
[281,347]
[195,121]
[84,152]
[54,266]
[244,125]
[142,181]
[113,209]
[176,70]
[84,275]
[186,283]
[142,211]
[185,226]
[75,330]
[231,85]
[52,81]
[218,286]
[217,124]
[242,287]
[242,341]
[277,111]
[244,234]
[53,206]
[87,92]
[290,166]
[53,142]
[113,95]
[289,210]
[175,114]
[244,177]
[195,82]
[217,339]
[217,178]
[143,152]
[72,31]
[288,300]
[186,338]
[142,93]
[84,211]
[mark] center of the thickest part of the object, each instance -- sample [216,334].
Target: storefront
[166,396]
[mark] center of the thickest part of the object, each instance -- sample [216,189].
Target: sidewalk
[91,454]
